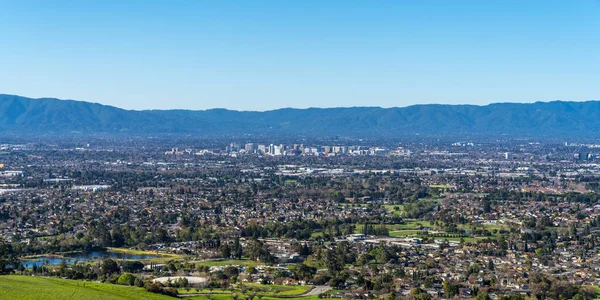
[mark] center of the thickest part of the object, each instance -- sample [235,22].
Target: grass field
[281,290]
[205,291]
[412,228]
[316,235]
[414,225]
[264,290]
[226,262]
[163,257]
[403,233]
[498,227]
[297,298]
[142,252]
[213,297]
[395,209]
[136,252]
[229,297]
[33,288]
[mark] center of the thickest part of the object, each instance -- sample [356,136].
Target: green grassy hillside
[34,288]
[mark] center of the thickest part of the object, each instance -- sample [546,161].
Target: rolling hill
[47,116]
[30,287]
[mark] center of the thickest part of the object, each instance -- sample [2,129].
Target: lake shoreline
[91,256]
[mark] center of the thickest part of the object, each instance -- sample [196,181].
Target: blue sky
[259,55]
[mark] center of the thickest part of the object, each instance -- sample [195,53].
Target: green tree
[450,289]
[126,279]
[482,296]
[303,271]
[225,250]
[109,266]
[133,266]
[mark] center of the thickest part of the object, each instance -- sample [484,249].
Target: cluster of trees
[159,288]
[450,289]
[418,208]
[303,272]
[503,194]
[380,230]
[234,251]
[8,259]
[258,251]
[548,287]
[98,236]
[180,282]
[299,229]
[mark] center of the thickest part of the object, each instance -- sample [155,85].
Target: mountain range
[47,116]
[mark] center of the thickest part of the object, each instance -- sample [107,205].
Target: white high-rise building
[262,148]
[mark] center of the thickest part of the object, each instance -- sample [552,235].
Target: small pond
[84,256]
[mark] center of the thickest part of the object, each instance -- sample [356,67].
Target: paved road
[319,289]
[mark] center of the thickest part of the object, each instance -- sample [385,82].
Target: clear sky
[259,55]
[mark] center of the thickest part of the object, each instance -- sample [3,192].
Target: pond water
[84,256]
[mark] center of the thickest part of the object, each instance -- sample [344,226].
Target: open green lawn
[205,291]
[163,257]
[141,252]
[226,262]
[212,297]
[229,297]
[497,227]
[413,225]
[489,227]
[281,290]
[402,233]
[316,234]
[33,288]
[297,298]
[265,290]
[395,209]
[392,208]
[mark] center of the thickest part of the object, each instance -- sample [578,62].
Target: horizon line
[301,108]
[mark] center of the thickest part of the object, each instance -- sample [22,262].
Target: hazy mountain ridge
[53,116]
